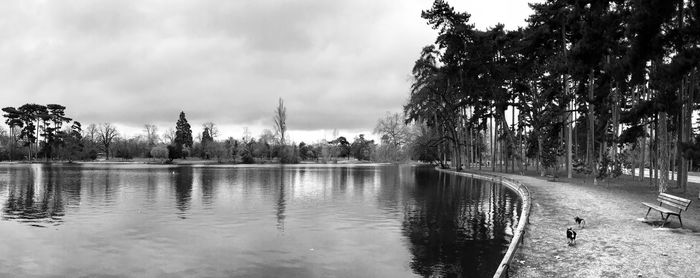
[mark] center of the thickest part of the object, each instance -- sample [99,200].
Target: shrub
[160,152]
[247,157]
[92,154]
[173,152]
[289,155]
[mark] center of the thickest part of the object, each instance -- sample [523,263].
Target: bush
[289,155]
[173,152]
[247,157]
[4,155]
[123,153]
[160,152]
[91,155]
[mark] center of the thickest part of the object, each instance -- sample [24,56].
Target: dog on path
[571,236]
[580,221]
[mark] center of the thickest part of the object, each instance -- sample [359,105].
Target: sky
[338,65]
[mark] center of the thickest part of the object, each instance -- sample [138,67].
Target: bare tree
[392,129]
[91,133]
[246,135]
[267,136]
[151,134]
[106,134]
[169,136]
[281,121]
[213,130]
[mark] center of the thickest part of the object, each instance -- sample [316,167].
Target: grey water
[140,220]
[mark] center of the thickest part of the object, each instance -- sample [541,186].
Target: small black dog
[571,235]
[581,223]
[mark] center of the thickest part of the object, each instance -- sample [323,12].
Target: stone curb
[518,234]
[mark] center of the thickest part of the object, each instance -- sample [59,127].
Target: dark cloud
[337,64]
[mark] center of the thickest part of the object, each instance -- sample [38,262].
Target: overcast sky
[337,64]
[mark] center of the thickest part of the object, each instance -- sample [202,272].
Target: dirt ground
[616,240]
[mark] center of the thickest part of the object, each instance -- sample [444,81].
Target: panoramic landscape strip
[496,139]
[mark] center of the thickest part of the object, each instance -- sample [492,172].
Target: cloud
[337,64]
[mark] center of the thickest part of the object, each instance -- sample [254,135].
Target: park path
[692,176]
[614,243]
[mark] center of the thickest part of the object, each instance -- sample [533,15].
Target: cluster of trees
[273,146]
[596,86]
[37,130]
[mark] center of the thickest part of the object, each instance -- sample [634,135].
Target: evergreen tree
[207,141]
[14,120]
[53,135]
[73,141]
[30,114]
[183,137]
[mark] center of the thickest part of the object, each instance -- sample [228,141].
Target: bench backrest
[673,201]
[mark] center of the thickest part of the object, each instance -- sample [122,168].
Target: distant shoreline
[196,162]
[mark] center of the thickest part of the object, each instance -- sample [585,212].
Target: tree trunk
[509,134]
[480,151]
[500,147]
[568,122]
[635,160]
[467,148]
[512,142]
[493,145]
[690,92]
[540,143]
[445,149]
[642,161]
[458,151]
[685,129]
[504,146]
[672,151]
[568,127]
[646,145]
[523,166]
[601,152]
[12,143]
[616,126]
[590,144]
[569,141]
[663,152]
[655,149]
[680,138]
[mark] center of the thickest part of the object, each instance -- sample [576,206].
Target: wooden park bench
[674,206]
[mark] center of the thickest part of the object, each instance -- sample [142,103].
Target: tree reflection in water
[35,194]
[183,189]
[400,220]
[281,204]
[458,227]
[206,182]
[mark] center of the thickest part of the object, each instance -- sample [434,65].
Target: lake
[139,220]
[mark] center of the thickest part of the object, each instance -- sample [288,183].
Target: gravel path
[616,242]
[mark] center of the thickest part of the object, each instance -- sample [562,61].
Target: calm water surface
[292,221]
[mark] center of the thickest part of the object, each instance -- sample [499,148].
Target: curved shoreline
[518,234]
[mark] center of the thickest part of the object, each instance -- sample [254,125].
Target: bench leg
[645,216]
[679,220]
[665,219]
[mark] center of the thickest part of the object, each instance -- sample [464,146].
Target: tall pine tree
[183,135]
[207,141]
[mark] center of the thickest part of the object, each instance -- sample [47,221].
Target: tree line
[42,132]
[597,87]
